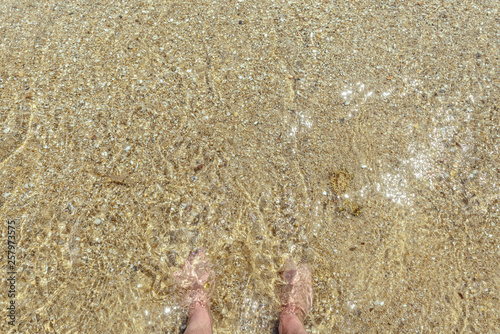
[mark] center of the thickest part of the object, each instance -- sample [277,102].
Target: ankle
[290,324]
[200,320]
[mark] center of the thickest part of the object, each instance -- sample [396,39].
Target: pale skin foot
[196,275]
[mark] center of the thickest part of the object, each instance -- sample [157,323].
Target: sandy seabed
[361,137]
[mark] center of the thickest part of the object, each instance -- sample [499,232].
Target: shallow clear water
[359,137]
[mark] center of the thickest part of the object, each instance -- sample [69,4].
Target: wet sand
[360,137]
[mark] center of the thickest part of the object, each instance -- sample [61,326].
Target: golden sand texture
[133,132]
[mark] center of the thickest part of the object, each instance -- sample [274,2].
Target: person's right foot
[297,295]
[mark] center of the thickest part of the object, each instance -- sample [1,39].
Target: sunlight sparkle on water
[306,121]
[394,188]
[347,92]
[350,92]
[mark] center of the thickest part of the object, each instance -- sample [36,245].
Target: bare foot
[297,295]
[195,279]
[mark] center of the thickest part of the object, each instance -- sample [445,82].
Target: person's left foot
[195,279]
